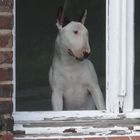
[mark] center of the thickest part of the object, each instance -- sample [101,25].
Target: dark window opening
[137,56]
[35,36]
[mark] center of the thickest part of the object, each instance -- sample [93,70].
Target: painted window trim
[119,75]
[120,55]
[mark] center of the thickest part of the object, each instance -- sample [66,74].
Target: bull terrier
[72,76]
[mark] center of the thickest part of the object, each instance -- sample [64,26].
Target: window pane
[137,55]
[35,35]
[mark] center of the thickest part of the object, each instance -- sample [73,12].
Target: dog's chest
[74,78]
[75,86]
[76,94]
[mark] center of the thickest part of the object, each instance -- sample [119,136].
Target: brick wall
[6,56]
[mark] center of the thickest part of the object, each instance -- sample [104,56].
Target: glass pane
[137,55]
[35,36]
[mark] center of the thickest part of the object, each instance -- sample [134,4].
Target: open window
[111,36]
[35,36]
[137,56]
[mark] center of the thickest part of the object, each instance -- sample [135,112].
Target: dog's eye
[75,32]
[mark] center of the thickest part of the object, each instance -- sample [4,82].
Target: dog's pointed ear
[60,18]
[83,17]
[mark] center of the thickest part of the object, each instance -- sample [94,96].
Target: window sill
[119,137]
[48,125]
[77,128]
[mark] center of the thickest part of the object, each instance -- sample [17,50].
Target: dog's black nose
[86,54]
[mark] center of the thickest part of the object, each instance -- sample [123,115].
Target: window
[137,56]
[117,81]
[36,32]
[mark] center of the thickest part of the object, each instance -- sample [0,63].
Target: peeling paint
[70,130]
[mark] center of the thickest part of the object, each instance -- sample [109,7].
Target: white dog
[72,76]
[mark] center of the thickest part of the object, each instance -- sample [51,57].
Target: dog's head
[73,36]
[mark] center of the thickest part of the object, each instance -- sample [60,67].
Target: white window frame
[119,71]
[120,56]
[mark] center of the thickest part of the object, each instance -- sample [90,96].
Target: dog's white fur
[73,78]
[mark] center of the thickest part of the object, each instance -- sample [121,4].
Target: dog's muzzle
[84,56]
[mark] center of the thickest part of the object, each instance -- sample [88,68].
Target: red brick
[6,57]
[6,90]
[118,138]
[6,107]
[6,40]
[6,74]
[47,139]
[71,139]
[6,5]
[7,137]
[6,22]
[135,137]
[96,138]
